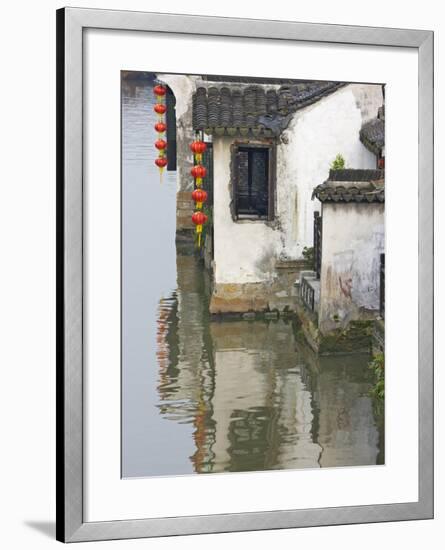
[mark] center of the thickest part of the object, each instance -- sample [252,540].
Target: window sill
[255,219]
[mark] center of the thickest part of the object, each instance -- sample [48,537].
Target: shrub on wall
[338,163]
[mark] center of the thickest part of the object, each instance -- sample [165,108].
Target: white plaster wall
[244,252]
[314,138]
[353,239]
[247,251]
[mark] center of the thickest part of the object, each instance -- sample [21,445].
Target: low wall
[353,239]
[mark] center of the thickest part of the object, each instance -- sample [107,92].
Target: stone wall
[277,295]
[184,211]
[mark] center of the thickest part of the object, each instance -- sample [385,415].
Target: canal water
[206,396]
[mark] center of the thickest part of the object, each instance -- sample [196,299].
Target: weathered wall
[247,251]
[311,142]
[353,239]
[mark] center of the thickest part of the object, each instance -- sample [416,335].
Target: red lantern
[199,219]
[198,172]
[199,196]
[159,90]
[161,162]
[160,108]
[198,147]
[160,144]
[160,127]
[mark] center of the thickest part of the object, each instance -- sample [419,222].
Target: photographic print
[253,274]
[222,289]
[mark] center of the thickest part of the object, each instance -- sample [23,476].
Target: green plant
[378,366]
[338,163]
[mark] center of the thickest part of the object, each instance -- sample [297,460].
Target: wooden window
[253,181]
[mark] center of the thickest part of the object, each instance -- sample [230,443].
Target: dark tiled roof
[356,174]
[352,186]
[372,135]
[252,80]
[259,109]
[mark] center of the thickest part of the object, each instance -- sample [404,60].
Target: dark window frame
[270,147]
[170,118]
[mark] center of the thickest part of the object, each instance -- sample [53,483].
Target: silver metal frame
[71,22]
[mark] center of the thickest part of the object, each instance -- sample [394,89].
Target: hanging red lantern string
[160,127]
[199,172]
[199,219]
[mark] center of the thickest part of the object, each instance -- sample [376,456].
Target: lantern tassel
[199,231]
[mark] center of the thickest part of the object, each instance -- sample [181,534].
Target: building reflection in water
[258,399]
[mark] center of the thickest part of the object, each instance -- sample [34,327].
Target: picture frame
[71,525]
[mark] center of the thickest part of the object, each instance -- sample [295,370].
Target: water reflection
[257,399]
